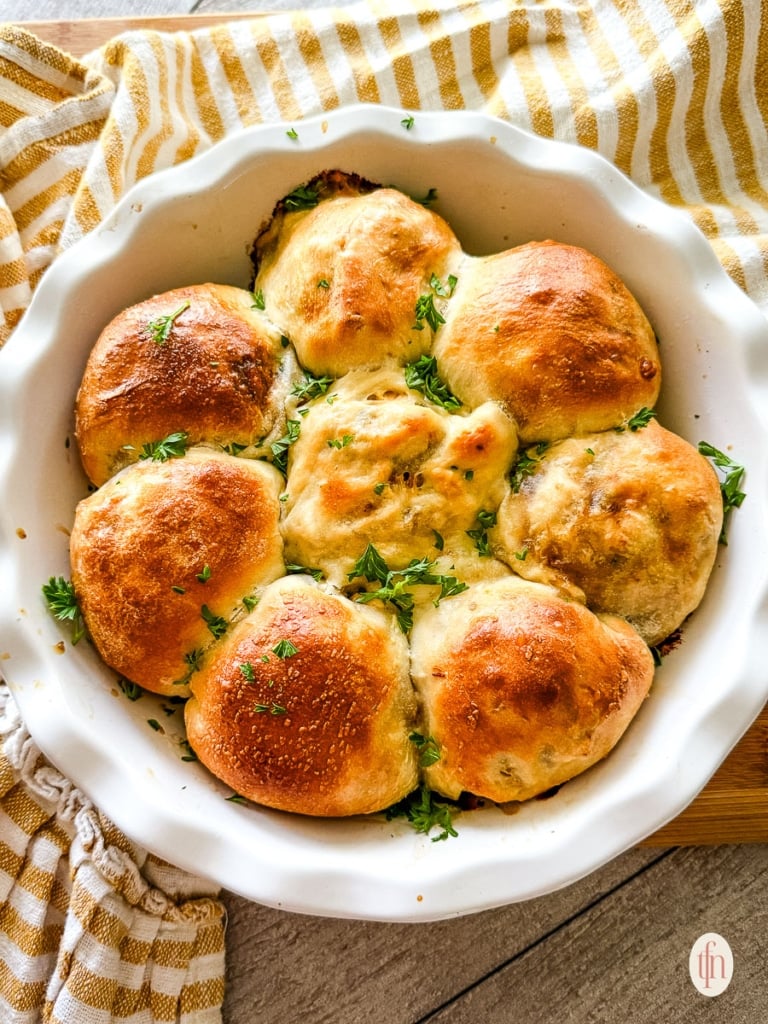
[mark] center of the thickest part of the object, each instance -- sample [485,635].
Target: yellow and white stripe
[93,930]
[669,90]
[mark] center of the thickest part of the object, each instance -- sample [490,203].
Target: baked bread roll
[379,464]
[550,332]
[343,278]
[413,584]
[521,689]
[163,555]
[307,705]
[199,360]
[628,521]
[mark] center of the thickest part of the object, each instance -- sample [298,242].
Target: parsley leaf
[64,606]
[171,447]
[285,649]
[393,583]
[428,748]
[280,448]
[216,624]
[424,812]
[439,288]
[426,310]
[273,709]
[294,569]
[730,485]
[310,387]
[160,328]
[526,464]
[480,535]
[641,419]
[422,376]
[302,198]
[131,690]
[336,442]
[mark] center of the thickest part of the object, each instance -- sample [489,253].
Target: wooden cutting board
[733,807]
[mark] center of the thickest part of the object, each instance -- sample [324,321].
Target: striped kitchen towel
[671,91]
[93,929]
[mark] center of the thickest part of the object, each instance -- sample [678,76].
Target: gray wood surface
[612,947]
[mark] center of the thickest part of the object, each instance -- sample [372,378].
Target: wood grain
[373,972]
[80,37]
[733,807]
[626,958]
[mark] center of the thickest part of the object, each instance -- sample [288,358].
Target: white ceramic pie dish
[497,187]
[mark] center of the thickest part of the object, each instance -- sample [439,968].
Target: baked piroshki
[396,497]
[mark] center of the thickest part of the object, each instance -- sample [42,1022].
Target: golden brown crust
[553,334]
[521,683]
[521,689]
[343,279]
[379,465]
[217,376]
[321,731]
[630,521]
[139,543]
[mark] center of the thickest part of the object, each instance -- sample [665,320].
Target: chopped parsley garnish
[280,448]
[408,122]
[189,754]
[422,376]
[323,283]
[234,448]
[394,583]
[429,198]
[427,311]
[480,534]
[215,623]
[154,724]
[730,483]
[258,300]
[204,575]
[246,670]
[310,387]
[341,442]
[641,419]
[171,447]
[292,133]
[424,811]
[293,569]
[445,290]
[64,606]
[526,464]
[428,748]
[302,198]
[285,649]
[131,690]
[192,659]
[160,328]
[273,709]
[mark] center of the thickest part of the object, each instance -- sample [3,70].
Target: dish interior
[497,187]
